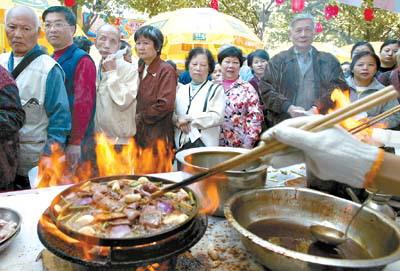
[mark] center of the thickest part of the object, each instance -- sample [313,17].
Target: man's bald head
[108,40]
[22,29]
[110,29]
[26,12]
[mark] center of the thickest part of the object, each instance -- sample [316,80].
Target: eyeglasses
[57,26]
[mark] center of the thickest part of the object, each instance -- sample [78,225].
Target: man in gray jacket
[299,81]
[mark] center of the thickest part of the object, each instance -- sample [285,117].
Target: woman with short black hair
[387,54]
[243,114]
[157,90]
[362,83]
[258,62]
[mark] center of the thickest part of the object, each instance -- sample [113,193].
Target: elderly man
[117,85]
[41,88]
[12,117]
[80,81]
[300,79]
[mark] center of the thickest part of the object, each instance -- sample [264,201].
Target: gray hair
[109,26]
[302,16]
[26,10]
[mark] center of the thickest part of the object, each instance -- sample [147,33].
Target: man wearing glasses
[41,88]
[80,81]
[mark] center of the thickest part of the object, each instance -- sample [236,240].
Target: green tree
[268,20]
[348,27]
[100,8]
[158,6]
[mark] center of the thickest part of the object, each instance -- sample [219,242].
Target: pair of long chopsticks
[374,120]
[382,96]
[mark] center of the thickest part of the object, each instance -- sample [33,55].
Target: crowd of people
[66,98]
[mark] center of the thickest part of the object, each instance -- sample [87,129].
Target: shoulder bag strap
[25,62]
[208,95]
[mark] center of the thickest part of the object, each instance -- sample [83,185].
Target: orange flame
[342,99]
[132,159]
[53,169]
[207,191]
[129,159]
[87,251]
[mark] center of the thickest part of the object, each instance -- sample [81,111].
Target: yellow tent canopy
[186,28]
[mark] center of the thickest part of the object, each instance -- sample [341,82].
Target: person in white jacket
[199,105]
[117,84]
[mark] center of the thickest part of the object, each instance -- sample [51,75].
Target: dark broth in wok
[297,237]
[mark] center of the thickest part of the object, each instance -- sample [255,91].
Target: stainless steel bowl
[251,175]
[10,215]
[377,234]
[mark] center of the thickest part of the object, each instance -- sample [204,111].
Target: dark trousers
[21,183]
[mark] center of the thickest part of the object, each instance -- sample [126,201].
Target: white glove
[296,111]
[332,154]
[73,154]
[388,138]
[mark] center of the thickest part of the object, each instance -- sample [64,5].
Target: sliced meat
[101,188]
[110,204]
[131,214]
[150,217]
[97,196]
[150,187]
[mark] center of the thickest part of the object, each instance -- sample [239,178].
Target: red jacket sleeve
[84,99]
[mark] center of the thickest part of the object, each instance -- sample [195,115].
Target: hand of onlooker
[73,154]
[332,154]
[296,111]
[109,64]
[183,123]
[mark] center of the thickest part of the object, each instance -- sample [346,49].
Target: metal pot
[376,234]
[145,239]
[10,215]
[248,176]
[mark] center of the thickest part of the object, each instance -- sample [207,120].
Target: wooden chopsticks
[380,97]
[374,120]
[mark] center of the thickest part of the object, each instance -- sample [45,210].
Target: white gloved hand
[73,154]
[296,111]
[332,154]
[388,138]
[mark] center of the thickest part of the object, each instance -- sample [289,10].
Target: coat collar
[153,67]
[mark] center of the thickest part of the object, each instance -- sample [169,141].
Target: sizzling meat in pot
[122,209]
[7,228]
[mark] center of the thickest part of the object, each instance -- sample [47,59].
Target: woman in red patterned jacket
[243,114]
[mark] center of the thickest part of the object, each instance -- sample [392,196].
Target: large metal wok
[144,239]
[376,234]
